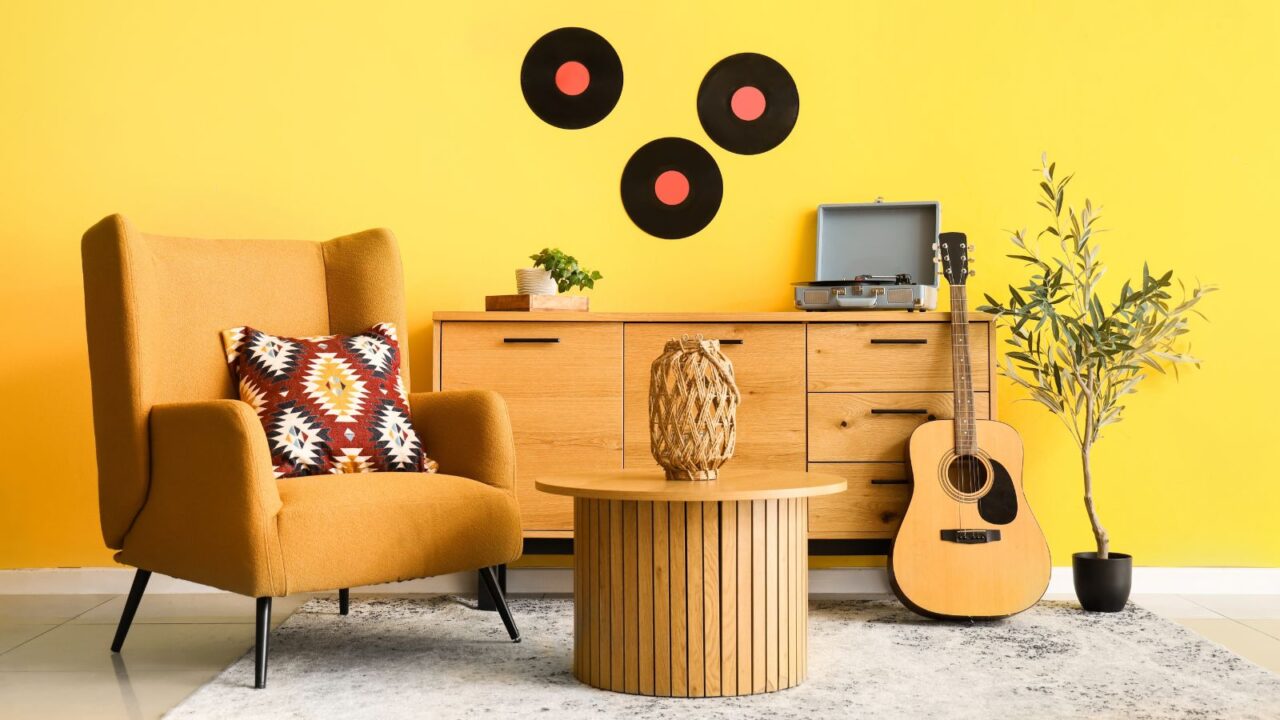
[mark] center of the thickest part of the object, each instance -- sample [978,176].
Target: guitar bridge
[970,537]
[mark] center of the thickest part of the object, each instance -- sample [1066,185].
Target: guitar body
[996,562]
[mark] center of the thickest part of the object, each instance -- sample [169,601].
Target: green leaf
[1073,352]
[564,270]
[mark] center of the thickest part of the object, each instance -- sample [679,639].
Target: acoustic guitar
[969,546]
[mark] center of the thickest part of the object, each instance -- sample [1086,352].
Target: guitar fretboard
[961,375]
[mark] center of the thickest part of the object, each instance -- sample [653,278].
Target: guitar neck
[961,373]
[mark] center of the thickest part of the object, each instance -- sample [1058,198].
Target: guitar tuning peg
[935,246]
[971,273]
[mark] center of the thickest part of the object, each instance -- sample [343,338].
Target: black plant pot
[1102,585]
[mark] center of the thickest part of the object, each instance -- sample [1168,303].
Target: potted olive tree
[1081,358]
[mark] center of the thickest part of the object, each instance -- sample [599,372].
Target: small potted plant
[553,272]
[1080,358]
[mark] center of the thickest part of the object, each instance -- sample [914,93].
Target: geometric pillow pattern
[329,404]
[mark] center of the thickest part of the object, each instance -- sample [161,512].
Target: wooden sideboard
[830,392]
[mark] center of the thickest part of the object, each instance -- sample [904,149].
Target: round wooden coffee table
[691,589]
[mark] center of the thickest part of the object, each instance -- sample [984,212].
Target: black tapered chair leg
[500,600]
[486,600]
[344,601]
[139,586]
[260,646]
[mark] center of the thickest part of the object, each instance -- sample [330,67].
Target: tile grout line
[58,625]
[1238,621]
[1264,632]
[1242,623]
[1191,600]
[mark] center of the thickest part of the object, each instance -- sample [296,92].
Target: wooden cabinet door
[768,362]
[563,385]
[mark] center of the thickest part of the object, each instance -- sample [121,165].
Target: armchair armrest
[469,433]
[211,508]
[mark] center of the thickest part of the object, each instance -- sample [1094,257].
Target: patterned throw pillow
[329,404]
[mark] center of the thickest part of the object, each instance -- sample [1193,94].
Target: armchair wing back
[155,306]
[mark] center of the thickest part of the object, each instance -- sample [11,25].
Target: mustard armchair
[184,473]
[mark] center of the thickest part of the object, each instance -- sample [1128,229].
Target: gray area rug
[439,658]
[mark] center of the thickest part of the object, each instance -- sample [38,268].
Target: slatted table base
[691,599]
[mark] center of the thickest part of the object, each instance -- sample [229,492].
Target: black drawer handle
[896,481]
[731,341]
[899,341]
[530,340]
[899,411]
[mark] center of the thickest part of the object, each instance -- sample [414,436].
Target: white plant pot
[535,281]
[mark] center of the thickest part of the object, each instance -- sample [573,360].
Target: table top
[652,484]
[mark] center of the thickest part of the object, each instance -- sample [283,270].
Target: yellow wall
[306,119]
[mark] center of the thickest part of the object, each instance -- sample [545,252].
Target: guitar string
[955,380]
[958,354]
[957,360]
[961,470]
[967,471]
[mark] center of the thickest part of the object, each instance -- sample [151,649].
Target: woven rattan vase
[693,406]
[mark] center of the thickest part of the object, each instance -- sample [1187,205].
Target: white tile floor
[54,661]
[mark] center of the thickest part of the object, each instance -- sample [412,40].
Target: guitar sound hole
[967,474]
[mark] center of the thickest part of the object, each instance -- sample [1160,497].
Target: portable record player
[876,255]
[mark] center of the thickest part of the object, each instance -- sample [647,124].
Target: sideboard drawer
[880,356]
[867,427]
[768,364]
[872,507]
[563,384]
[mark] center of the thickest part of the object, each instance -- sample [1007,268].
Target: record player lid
[880,238]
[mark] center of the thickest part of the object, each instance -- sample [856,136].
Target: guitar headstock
[954,250]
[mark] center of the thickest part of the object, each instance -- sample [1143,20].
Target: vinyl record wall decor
[571,78]
[671,187]
[748,103]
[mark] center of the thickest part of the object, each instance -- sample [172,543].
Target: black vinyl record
[671,188]
[571,78]
[748,103]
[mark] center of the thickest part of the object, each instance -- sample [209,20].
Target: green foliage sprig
[1074,355]
[565,270]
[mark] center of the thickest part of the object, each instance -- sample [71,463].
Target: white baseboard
[1146,580]
[1188,581]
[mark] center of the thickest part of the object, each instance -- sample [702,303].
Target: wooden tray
[535,303]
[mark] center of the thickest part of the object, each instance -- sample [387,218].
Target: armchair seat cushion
[357,529]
